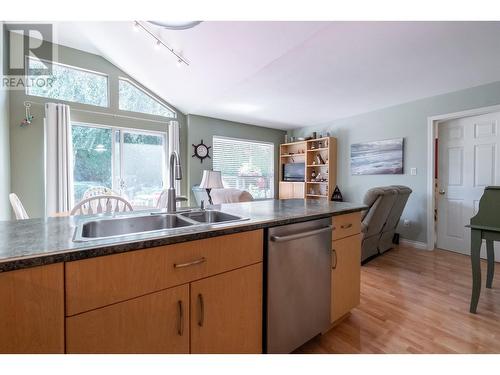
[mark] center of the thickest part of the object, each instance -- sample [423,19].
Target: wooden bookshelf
[318,155]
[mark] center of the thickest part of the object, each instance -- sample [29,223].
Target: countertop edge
[37,260]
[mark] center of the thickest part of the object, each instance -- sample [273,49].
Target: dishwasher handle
[301,234]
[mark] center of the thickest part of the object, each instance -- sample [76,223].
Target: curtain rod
[109,114]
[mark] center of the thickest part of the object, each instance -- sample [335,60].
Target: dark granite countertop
[35,242]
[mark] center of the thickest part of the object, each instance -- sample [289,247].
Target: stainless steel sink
[122,226]
[210,216]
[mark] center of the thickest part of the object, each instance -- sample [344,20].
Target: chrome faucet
[175,173]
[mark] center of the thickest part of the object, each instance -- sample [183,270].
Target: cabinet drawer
[346,225]
[97,282]
[155,323]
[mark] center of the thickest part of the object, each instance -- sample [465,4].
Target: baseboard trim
[414,244]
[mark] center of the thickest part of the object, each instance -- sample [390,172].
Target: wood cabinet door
[286,190]
[32,310]
[226,312]
[154,323]
[346,271]
[299,190]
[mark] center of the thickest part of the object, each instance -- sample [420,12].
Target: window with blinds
[245,165]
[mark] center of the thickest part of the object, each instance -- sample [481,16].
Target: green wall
[200,127]
[407,120]
[4,140]
[27,153]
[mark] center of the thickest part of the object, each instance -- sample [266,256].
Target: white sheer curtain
[58,159]
[174,145]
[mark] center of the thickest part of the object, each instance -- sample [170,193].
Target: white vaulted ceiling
[292,74]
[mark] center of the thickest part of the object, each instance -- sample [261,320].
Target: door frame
[432,132]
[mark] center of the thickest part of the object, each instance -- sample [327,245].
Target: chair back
[97,190]
[380,201]
[18,207]
[230,195]
[162,199]
[101,204]
[398,207]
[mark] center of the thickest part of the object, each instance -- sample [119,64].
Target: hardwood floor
[417,301]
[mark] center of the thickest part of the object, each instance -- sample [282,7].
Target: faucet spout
[175,170]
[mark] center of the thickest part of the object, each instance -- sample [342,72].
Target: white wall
[407,120]
[4,140]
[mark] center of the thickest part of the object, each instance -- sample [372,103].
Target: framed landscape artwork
[377,157]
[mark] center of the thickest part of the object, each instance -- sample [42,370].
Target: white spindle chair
[101,204]
[163,198]
[97,190]
[18,207]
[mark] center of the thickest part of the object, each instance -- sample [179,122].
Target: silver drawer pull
[193,263]
[180,327]
[346,226]
[202,310]
[296,236]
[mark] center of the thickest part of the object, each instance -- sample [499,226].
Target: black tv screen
[294,172]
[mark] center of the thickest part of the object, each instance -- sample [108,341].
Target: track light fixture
[180,59]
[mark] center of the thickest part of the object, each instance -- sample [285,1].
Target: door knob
[442,192]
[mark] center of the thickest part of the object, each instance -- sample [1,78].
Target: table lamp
[211,180]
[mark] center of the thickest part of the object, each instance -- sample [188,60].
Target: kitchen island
[193,289]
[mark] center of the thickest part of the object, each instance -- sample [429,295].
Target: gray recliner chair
[385,243]
[380,201]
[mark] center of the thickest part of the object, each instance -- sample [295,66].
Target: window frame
[108,80]
[123,129]
[245,140]
[154,97]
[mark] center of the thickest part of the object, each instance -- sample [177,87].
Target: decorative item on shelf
[314,162]
[314,135]
[313,175]
[286,138]
[29,117]
[313,146]
[211,180]
[201,151]
[319,159]
[337,195]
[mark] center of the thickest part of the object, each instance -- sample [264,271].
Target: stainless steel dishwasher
[298,283]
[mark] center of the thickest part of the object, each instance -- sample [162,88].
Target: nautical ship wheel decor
[201,151]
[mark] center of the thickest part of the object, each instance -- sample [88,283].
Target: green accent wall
[27,144]
[407,120]
[201,127]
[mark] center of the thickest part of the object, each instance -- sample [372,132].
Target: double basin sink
[112,227]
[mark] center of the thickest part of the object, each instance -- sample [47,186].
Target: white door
[467,163]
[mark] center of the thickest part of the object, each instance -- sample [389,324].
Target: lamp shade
[211,180]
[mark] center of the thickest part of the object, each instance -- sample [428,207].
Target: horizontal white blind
[245,165]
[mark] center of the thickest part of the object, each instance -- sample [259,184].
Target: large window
[134,99]
[245,165]
[70,84]
[130,162]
